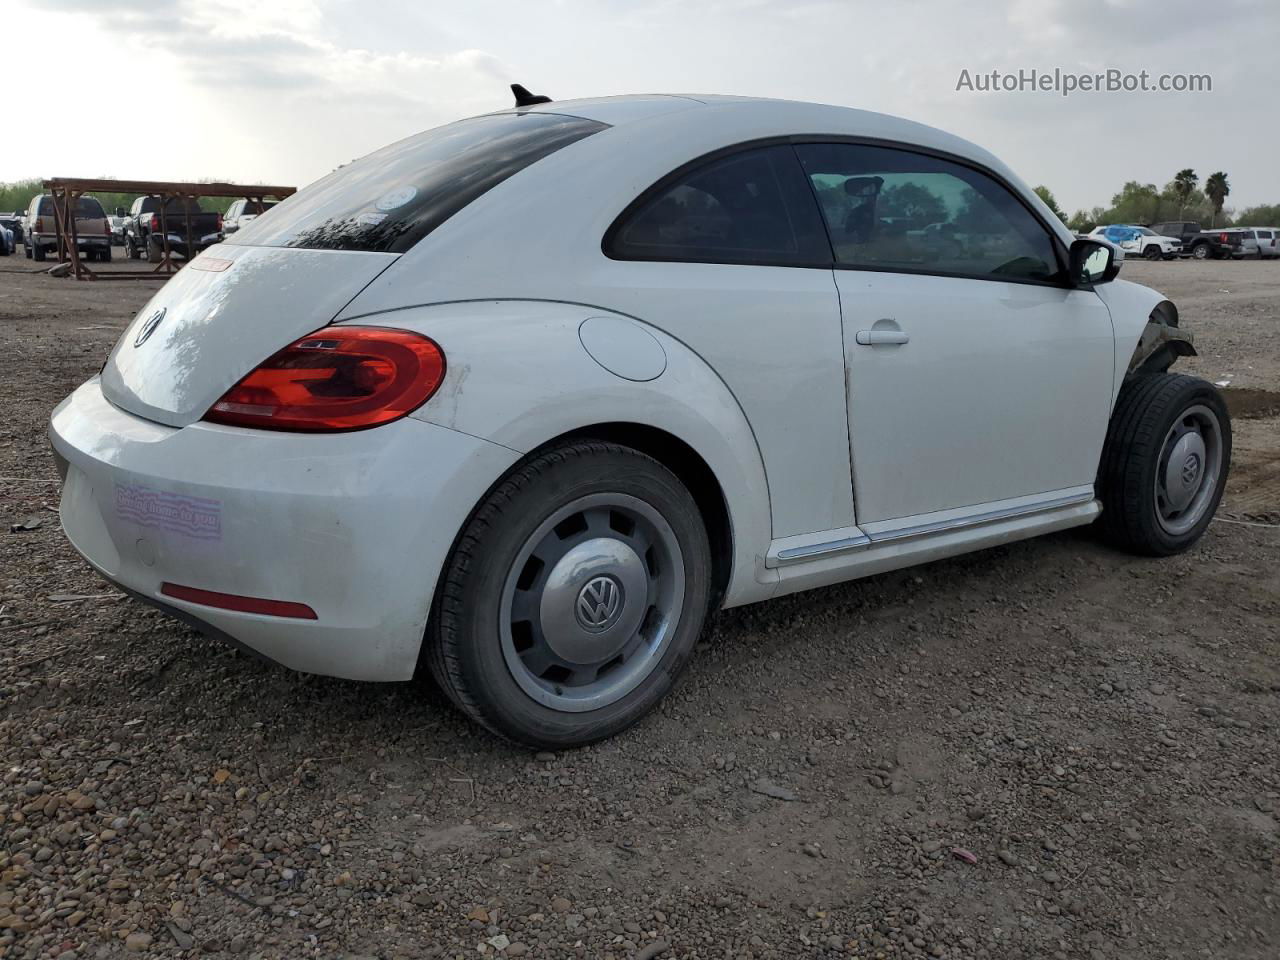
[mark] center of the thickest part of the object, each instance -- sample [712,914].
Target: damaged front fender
[1147,336]
[1161,343]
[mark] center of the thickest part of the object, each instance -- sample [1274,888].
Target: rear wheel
[573,598]
[105,255]
[38,252]
[1200,251]
[1165,463]
[154,253]
[26,248]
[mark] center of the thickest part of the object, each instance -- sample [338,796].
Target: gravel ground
[1047,750]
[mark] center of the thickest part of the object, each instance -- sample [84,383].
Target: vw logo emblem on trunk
[148,328]
[599,604]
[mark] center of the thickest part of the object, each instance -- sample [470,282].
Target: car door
[728,255]
[976,377]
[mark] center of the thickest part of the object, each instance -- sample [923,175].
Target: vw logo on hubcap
[1190,469]
[599,604]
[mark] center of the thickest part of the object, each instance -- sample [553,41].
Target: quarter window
[894,210]
[748,207]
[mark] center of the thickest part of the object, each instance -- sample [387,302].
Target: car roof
[744,118]
[546,223]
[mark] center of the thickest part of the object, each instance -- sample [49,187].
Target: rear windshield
[87,208]
[152,204]
[392,198]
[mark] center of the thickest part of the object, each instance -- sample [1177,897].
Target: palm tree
[1217,188]
[1183,183]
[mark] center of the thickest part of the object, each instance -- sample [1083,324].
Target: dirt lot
[1100,732]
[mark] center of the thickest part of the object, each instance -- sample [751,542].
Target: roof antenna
[526,99]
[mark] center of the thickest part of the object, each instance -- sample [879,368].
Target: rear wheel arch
[689,466]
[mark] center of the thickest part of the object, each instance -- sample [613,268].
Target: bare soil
[1045,750]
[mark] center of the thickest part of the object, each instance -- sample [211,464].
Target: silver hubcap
[1189,468]
[591,602]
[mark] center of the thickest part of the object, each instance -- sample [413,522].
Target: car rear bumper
[51,240]
[178,242]
[355,526]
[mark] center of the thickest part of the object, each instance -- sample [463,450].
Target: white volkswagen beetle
[524,397]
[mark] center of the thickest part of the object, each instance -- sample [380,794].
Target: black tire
[105,255]
[131,249]
[464,642]
[1201,251]
[154,251]
[1133,458]
[1152,251]
[26,248]
[38,252]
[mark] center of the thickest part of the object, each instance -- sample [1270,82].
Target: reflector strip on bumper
[231,601]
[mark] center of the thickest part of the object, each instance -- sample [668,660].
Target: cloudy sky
[282,91]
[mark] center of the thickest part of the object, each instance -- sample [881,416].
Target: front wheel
[573,598]
[1152,252]
[1165,462]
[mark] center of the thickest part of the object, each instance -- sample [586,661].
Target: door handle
[870,338]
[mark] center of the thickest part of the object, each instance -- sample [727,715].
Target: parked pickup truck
[1201,244]
[142,228]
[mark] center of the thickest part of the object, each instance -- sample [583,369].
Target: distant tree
[1083,221]
[1135,203]
[1045,194]
[912,202]
[1266,215]
[1217,188]
[1184,182]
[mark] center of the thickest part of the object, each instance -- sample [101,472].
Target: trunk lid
[222,315]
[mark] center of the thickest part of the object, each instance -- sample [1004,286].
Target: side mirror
[1092,262]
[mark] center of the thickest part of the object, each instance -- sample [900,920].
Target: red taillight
[39,227]
[233,601]
[219,223]
[107,228]
[338,378]
[155,222]
[1223,238]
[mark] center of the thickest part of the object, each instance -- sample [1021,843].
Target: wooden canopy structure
[65,191]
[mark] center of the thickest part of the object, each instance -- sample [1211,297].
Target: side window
[891,209]
[751,207]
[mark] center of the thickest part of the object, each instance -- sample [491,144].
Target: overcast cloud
[282,91]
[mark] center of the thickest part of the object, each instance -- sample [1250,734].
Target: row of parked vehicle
[1186,238]
[142,230]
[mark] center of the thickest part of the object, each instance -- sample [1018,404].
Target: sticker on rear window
[396,198]
[370,219]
